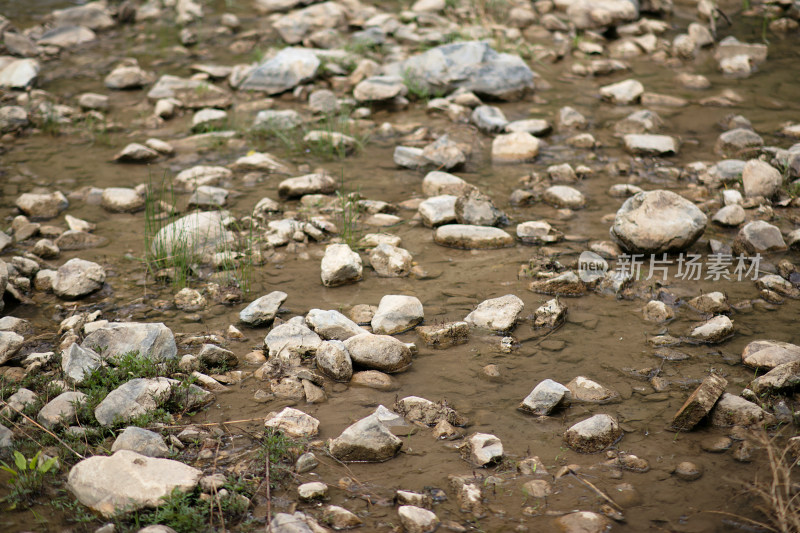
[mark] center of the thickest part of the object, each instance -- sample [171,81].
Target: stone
[397,313]
[563,196]
[761,179]
[472,237]
[569,118]
[154,341]
[471,66]
[20,74]
[444,335]
[140,396]
[489,118]
[738,142]
[733,410]
[67,36]
[141,441]
[308,184]
[212,356]
[657,311]
[379,352]
[535,126]
[713,331]
[688,471]
[769,354]
[334,360]
[297,25]
[315,490]
[585,390]
[758,237]
[650,144]
[657,221]
[593,434]
[77,362]
[280,120]
[408,157]
[565,284]
[711,303]
[93,101]
[438,183]
[416,519]
[17,402]
[136,153]
[483,449]
[263,310]
[46,249]
[78,278]
[517,147]
[783,376]
[438,210]
[642,121]
[193,177]
[42,206]
[622,93]
[444,153]
[544,397]
[209,119]
[379,88]
[92,16]
[12,117]
[422,411]
[367,440]
[496,314]
[730,215]
[583,522]
[699,403]
[340,266]
[189,300]
[122,200]
[390,262]
[61,410]
[95,481]
[292,341]
[549,315]
[538,232]
[190,93]
[10,344]
[293,423]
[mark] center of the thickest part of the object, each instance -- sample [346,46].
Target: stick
[736,516]
[598,491]
[269,496]
[215,423]
[35,423]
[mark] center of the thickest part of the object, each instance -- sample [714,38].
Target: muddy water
[603,339]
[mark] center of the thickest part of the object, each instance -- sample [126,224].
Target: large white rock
[379,352]
[293,423]
[367,440]
[78,278]
[263,309]
[397,313]
[497,314]
[471,237]
[97,482]
[140,396]
[544,397]
[517,147]
[340,266]
[390,261]
[761,179]
[154,340]
[593,434]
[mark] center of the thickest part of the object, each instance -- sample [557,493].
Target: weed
[182,511]
[49,120]
[779,497]
[280,450]
[73,510]
[27,477]
[348,214]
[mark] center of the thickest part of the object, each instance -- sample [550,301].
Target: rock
[340,142]
[196,233]
[212,356]
[421,411]
[379,88]
[408,157]
[67,36]
[10,344]
[585,390]
[136,153]
[77,362]
[122,200]
[438,210]
[713,331]
[544,397]
[61,410]
[315,490]
[46,249]
[549,315]
[623,93]
[92,16]
[190,93]
[657,221]
[308,184]
[18,401]
[583,522]
[340,518]
[293,423]
[13,118]
[468,494]
[140,396]
[126,76]
[711,303]
[776,284]
[730,215]
[340,266]
[477,209]
[733,410]
[379,352]
[497,314]
[761,179]
[334,360]
[263,309]
[688,471]
[294,27]
[292,341]
[152,340]
[538,232]
[209,119]
[272,119]
[566,284]
[769,354]
[367,440]
[416,519]
[699,403]
[438,183]
[42,206]
[535,126]
[390,262]
[472,237]
[191,178]
[374,380]
[564,196]
[95,481]
[656,311]
[19,74]
[472,66]
[483,449]
[141,441]
[444,335]
[783,376]
[738,142]
[444,153]
[593,434]
[78,278]
[650,144]
[517,147]
[323,101]
[758,237]
[397,313]
[489,118]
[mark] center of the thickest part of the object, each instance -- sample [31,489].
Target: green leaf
[47,465]
[20,461]
[8,469]
[33,461]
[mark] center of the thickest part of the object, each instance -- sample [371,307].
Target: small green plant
[27,477]
[348,214]
[280,451]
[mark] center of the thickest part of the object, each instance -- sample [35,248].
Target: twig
[739,517]
[38,425]
[269,496]
[598,491]
[215,423]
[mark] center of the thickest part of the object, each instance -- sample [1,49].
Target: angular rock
[19,74]
[77,362]
[293,423]
[141,441]
[583,522]
[565,284]
[497,314]
[699,403]
[438,210]
[379,88]
[422,411]
[289,68]
[549,315]
[623,93]
[42,206]
[292,341]
[340,266]
[444,153]
[650,144]
[730,215]
[154,341]
[122,200]
[761,179]
[96,481]
[140,396]
[196,233]
[136,153]
[517,147]
[544,397]
[769,354]
[564,196]
[472,237]
[390,262]
[657,311]
[438,183]
[78,278]
[444,335]
[585,390]
[334,360]
[10,344]
[714,330]
[263,309]
[367,440]
[489,118]
[786,375]
[61,410]
[294,27]
[397,313]
[731,410]
[593,434]
[308,184]
[483,449]
[379,352]
[738,142]
[538,232]
[416,519]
